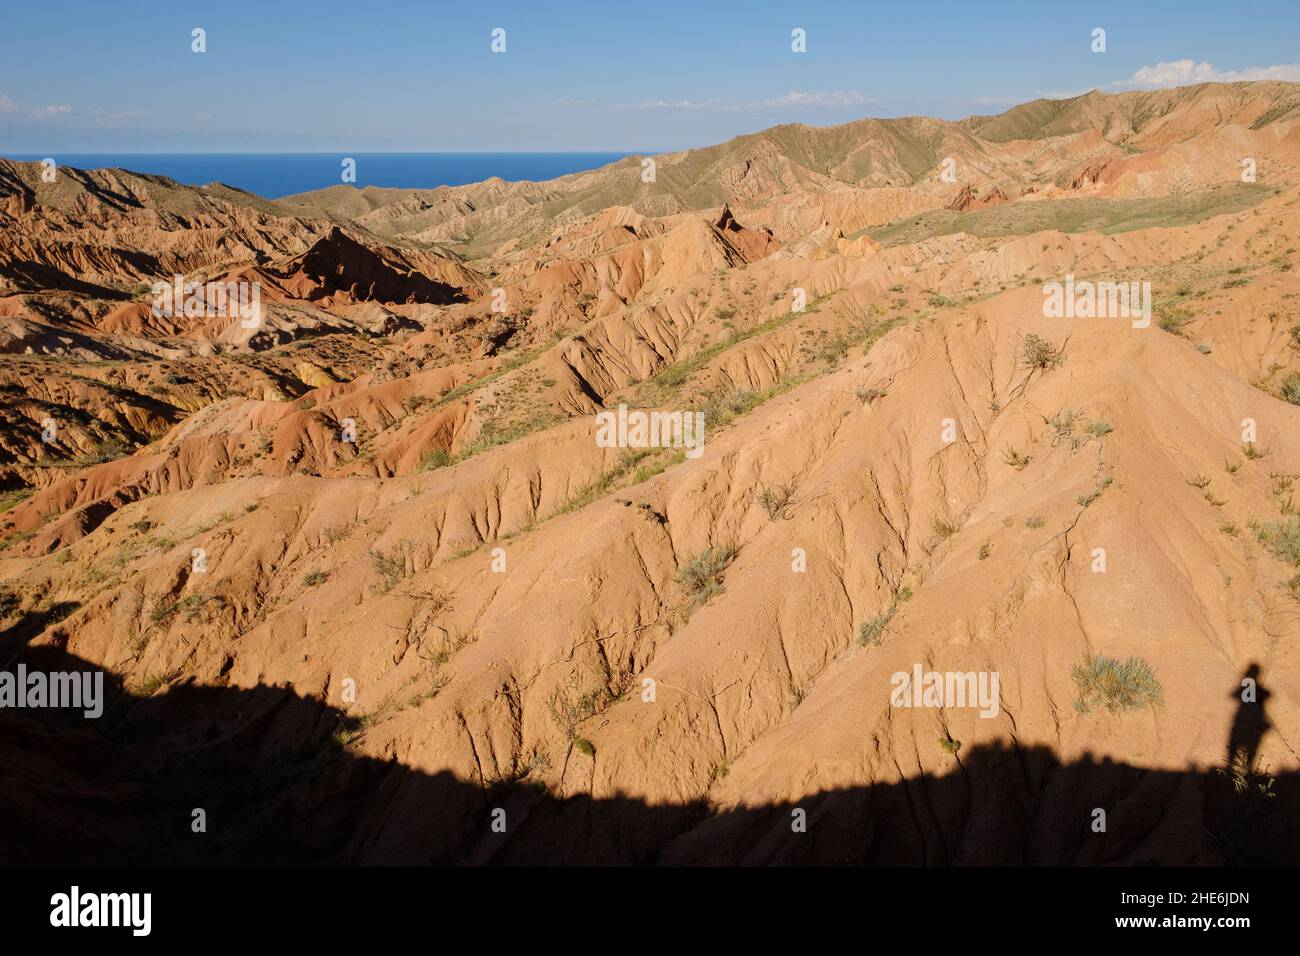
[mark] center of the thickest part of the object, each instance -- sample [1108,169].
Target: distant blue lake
[273,175]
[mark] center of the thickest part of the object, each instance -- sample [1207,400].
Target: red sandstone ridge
[969,199]
[1090,175]
[752,243]
[339,269]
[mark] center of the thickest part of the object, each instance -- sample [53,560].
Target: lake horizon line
[276,175]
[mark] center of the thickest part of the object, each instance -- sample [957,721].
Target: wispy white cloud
[668,105]
[1184,72]
[106,118]
[47,111]
[827,99]
[6,104]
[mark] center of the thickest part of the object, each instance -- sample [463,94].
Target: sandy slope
[461,609]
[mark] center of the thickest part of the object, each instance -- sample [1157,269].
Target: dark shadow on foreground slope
[276,788]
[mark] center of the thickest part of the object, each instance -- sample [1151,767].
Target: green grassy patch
[1072,215]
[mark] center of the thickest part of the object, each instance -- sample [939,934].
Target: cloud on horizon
[1186,72]
[47,111]
[7,105]
[832,99]
[105,118]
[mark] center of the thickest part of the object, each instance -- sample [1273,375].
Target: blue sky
[619,75]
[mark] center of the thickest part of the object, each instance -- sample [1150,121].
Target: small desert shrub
[391,566]
[1103,482]
[192,604]
[646,472]
[335,535]
[1016,460]
[1098,427]
[723,405]
[164,609]
[1116,685]
[776,499]
[1035,522]
[1291,388]
[437,458]
[1282,538]
[440,652]
[148,685]
[1038,353]
[829,351]
[1063,424]
[584,746]
[872,629]
[985,550]
[950,745]
[701,576]
[943,527]
[94,575]
[1252,451]
[313,578]
[1174,319]
[569,708]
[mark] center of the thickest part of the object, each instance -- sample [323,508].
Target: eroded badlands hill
[358,649]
